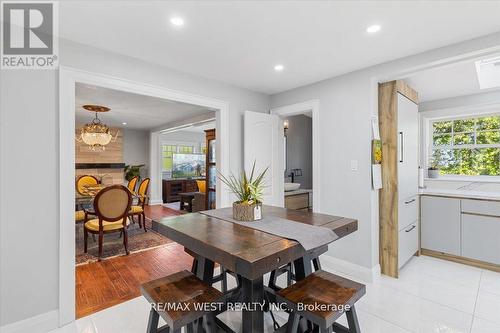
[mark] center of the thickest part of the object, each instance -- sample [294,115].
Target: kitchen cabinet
[481,238]
[440,224]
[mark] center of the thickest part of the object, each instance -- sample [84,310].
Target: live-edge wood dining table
[248,252]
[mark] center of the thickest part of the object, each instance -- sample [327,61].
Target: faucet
[295,172]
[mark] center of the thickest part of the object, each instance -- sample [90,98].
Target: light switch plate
[354,165]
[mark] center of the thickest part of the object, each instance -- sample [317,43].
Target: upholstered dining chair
[142,194]
[112,206]
[132,184]
[83,181]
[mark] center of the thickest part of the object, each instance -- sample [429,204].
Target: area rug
[138,240]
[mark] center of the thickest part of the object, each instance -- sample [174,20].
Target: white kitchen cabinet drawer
[440,223]
[408,243]
[481,207]
[481,238]
[407,211]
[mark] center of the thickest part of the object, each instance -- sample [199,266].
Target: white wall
[136,149]
[29,173]
[347,104]
[29,196]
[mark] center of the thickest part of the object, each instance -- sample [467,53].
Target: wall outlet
[354,165]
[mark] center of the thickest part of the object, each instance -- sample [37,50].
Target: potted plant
[132,171]
[249,191]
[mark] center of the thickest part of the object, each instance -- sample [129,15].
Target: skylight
[488,72]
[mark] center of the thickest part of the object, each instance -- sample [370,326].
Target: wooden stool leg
[272,280]
[316,264]
[210,323]
[153,321]
[189,328]
[289,275]
[352,320]
[293,323]
[194,266]
[326,330]
[224,279]
[144,222]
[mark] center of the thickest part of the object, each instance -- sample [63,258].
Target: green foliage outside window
[167,151]
[468,146]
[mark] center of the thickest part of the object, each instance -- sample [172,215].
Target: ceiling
[239,42]
[137,111]
[448,81]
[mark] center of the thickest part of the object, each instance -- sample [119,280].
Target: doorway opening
[301,163]
[72,83]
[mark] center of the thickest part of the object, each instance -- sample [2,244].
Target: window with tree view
[467,146]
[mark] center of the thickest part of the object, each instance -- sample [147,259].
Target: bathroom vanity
[298,199]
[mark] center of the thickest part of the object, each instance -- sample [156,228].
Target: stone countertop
[461,193]
[296,192]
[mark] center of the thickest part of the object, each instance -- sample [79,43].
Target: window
[167,152]
[186,149]
[467,146]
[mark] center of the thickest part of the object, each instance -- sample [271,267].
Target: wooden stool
[179,288]
[323,289]
[290,276]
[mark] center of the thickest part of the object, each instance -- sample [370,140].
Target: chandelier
[96,134]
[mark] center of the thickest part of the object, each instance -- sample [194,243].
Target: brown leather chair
[112,206]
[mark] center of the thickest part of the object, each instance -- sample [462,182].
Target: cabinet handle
[401,148]
[410,201]
[412,227]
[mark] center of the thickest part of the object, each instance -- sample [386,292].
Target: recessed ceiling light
[279,68]
[177,21]
[124,123]
[373,28]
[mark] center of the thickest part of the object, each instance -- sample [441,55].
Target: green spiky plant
[247,189]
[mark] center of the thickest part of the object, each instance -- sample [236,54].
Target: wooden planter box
[245,212]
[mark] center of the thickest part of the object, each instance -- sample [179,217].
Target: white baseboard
[44,322]
[155,202]
[349,269]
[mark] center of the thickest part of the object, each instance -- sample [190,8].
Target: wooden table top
[244,250]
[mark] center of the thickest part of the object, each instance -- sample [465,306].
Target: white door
[263,143]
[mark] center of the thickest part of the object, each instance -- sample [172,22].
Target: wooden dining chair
[132,184]
[83,181]
[112,206]
[138,210]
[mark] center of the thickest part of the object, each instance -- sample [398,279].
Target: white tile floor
[431,295]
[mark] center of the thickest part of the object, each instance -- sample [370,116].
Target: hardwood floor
[100,285]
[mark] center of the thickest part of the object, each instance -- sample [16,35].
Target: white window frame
[430,144]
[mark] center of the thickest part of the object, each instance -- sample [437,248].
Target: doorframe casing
[68,77]
[296,109]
